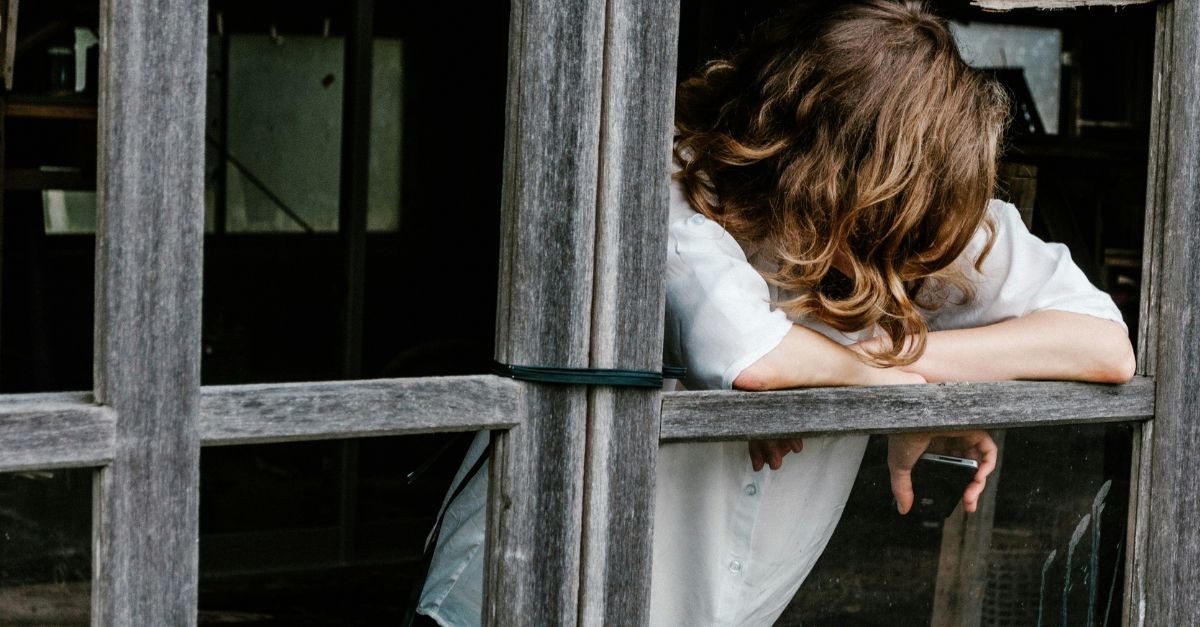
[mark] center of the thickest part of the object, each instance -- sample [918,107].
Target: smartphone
[938,485]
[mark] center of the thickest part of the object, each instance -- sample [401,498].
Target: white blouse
[731,545]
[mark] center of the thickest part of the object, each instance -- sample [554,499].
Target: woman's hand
[905,448]
[771,452]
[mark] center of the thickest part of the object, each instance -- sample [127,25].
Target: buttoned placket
[738,560]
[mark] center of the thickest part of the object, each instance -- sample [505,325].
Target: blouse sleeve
[719,315]
[1020,275]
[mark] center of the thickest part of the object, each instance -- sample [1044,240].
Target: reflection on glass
[45,547]
[284,541]
[1033,50]
[1055,549]
[284,107]
[69,211]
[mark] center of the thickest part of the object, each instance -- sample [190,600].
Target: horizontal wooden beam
[723,415]
[1008,5]
[39,431]
[281,412]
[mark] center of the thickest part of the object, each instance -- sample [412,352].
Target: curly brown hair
[849,134]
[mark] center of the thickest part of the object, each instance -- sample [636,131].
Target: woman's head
[849,132]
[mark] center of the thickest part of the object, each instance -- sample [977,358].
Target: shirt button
[750,489]
[735,566]
[697,219]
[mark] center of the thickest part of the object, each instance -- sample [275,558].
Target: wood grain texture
[1156,188]
[1008,5]
[740,415]
[41,431]
[242,414]
[1138,528]
[1173,557]
[147,338]
[544,307]
[1137,531]
[628,304]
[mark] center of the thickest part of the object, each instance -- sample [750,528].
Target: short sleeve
[719,315]
[1021,274]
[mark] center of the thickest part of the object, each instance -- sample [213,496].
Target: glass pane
[46,547]
[48,215]
[1027,58]
[284,132]
[283,541]
[275,294]
[1057,546]
[332,532]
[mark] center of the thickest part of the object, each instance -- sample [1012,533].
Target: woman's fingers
[756,455]
[903,451]
[770,452]
[902,488]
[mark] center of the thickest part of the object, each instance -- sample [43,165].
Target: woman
[829,225]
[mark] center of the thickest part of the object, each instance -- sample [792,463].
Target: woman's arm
[806,358]
[1043,345]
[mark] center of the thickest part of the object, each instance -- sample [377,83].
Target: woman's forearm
[1044,345]
[806,358]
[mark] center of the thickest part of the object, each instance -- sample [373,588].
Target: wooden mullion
[286,412]
[544,307]
[1009,5]
[42,431]
[147,339]
[1138,526]
[627,316]
[699,416]
[1172,559]
[1156,189]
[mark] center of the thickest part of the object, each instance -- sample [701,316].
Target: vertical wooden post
[147,339]
[1138,528]
[627,316]
[1172,562]
[544,306]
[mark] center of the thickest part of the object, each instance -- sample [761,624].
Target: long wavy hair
[849,134]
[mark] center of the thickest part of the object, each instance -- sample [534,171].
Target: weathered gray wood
[1137,531]
[1138,528]
[1173,557]
[627,315]
[281,412]
[741,415]
[1156,189]
[53,431]
[147,339]
[1008,5]
[544,306]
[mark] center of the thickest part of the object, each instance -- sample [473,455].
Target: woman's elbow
[757,377]
[1118,363]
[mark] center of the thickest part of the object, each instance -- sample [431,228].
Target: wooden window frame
[584,222]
